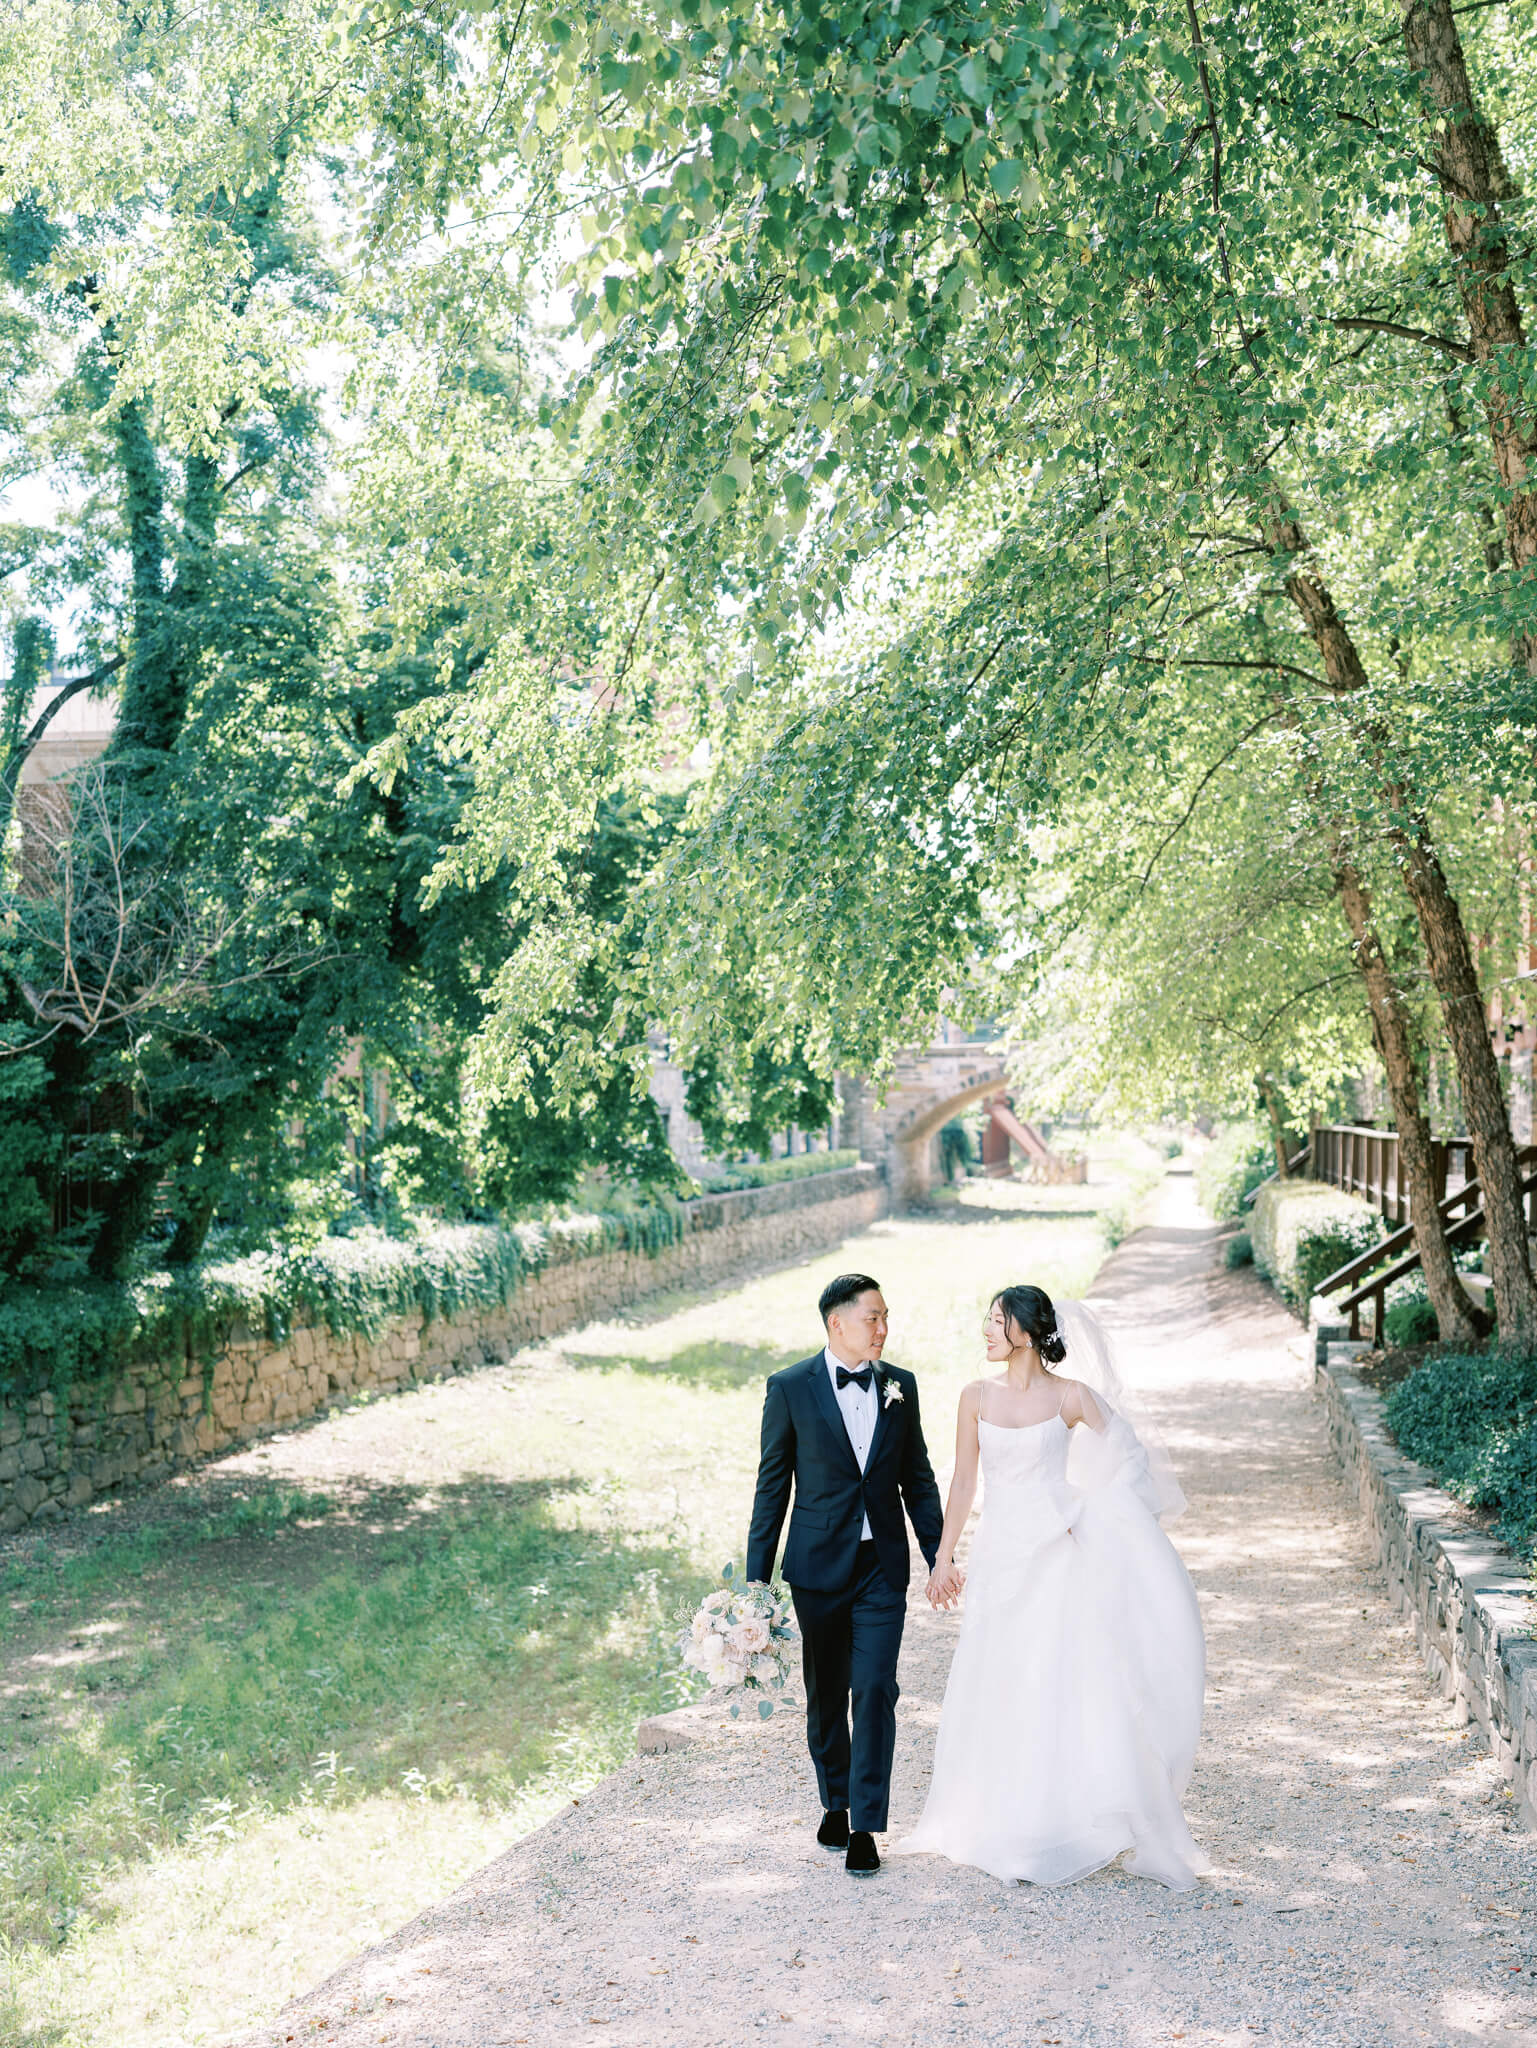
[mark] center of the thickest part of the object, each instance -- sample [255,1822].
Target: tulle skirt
[1074,1701]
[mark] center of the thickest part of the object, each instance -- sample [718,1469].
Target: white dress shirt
[859,1407]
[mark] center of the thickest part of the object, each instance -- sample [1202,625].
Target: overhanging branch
[1189,812]
[1459,349]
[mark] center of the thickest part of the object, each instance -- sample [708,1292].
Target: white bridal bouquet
[742,1636]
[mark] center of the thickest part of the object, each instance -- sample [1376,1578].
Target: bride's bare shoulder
[971,1396]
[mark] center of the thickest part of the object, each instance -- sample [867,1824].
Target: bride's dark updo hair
[1029,1310]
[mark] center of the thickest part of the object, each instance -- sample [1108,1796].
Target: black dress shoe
[834,1831]
[863,1859]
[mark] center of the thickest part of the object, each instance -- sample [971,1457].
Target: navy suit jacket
[805,1442]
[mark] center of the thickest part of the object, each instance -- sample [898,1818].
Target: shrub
[1116,1222]
[1233,1164]
[720,1180]
[954,1148]
[1473,1421]
[56,1335]
[1410,1319]
[1302,1230]
[1239,1252]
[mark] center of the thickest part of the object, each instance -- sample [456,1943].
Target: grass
[252,1721]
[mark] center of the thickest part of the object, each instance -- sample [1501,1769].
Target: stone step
[680,1729]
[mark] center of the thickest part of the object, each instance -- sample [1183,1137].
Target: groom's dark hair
[846,1288]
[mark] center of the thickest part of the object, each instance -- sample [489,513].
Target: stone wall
[1469,1598]
[58,1452]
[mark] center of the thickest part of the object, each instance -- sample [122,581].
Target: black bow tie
[860,1379]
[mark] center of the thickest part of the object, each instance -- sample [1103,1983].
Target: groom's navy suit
[850,1596]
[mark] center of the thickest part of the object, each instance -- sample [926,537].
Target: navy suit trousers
[849,1645]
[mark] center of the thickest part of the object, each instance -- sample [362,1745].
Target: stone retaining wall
[60,1452]
[1469,1598]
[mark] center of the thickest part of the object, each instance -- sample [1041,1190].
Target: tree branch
[1284,668]
[1216,176]
[1221,762]
[1258,1037]
[1459,349]
[1376,128]
[50,710]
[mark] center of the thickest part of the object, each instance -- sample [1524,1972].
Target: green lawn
[251,1722]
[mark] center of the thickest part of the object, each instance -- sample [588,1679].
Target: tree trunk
[1450,958]
[142,720]
[1267,1089]
[1343,668]
[1483,1100]
[1459,1320]
[191,1232]
[1465,150]
[31,641]
[127,1217]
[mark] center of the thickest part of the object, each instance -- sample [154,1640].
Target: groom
[844,1427]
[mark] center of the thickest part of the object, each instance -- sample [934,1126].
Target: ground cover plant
[53,1335]
[1473,1420]
[432,1617]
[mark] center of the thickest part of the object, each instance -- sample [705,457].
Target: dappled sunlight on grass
[720,1366]
[487,1649]
[278,1904]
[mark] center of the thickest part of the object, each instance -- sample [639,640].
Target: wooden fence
[1363,1160]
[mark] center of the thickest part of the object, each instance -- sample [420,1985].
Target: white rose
[750,1638]
[712,1654]
[765,1670]
[700,1627]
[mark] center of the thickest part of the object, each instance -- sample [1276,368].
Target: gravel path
[1372,1885]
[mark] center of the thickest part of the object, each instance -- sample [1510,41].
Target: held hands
[944,1587]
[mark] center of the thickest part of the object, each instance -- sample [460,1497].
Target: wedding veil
[1091,1358]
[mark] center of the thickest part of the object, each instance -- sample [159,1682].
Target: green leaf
[1006,177]
[974,79]
[925,92]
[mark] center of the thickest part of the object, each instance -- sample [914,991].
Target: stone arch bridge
[926,1089]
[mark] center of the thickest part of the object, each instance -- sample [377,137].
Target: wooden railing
[1463,1214]
[1365,1161]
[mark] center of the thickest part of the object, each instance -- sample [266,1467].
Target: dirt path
[1372,1885]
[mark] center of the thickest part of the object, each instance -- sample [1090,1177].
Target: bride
[1074,1702]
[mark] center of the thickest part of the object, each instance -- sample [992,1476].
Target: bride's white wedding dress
[1074,1703]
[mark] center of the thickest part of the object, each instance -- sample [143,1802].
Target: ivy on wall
[57,1337]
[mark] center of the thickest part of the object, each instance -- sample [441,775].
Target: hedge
[723,1180]
[1235,1161]
[1303,1230]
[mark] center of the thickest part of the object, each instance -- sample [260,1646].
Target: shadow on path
[1369,1879]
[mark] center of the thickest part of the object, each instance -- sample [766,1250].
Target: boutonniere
[890,1391]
